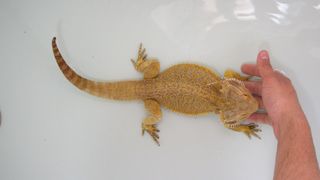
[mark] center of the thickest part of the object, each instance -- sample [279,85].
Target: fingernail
[264,55]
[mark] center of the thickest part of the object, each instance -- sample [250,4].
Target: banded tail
[124,90]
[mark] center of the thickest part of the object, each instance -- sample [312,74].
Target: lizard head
[239,103]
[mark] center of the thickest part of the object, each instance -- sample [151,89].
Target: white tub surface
[51,130]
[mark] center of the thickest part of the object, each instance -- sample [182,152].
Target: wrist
[292,125]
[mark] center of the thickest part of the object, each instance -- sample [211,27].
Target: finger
[260,102]
[255,87]
[260,118]
[263,64]
[250,69]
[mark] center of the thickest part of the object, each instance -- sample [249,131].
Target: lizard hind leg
[149,67]
[154,116]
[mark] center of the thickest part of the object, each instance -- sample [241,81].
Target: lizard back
[186,88]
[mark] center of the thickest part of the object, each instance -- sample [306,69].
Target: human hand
[275,94]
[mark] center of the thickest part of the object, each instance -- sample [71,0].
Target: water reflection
[282,7]
[179,18]
[244,10]
[280,17]
[276,18]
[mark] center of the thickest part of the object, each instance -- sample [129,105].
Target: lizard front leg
[149,67]
[150,122]
[248,129]
[229,74]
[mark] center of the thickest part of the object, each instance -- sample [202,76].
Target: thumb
[263,62]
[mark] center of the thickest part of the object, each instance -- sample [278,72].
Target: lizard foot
[152,131]
[142,56]
[229,74]
[149,67]
[250,129]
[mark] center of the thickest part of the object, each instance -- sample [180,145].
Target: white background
[51,130]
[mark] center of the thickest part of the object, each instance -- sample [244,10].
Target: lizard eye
[246,96]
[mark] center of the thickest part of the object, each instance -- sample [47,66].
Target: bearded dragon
[185,88]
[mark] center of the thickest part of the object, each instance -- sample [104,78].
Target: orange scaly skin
[185,88]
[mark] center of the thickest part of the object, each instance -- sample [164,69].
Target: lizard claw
[142,53]
[252,129]
[152,131]
[142,57]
